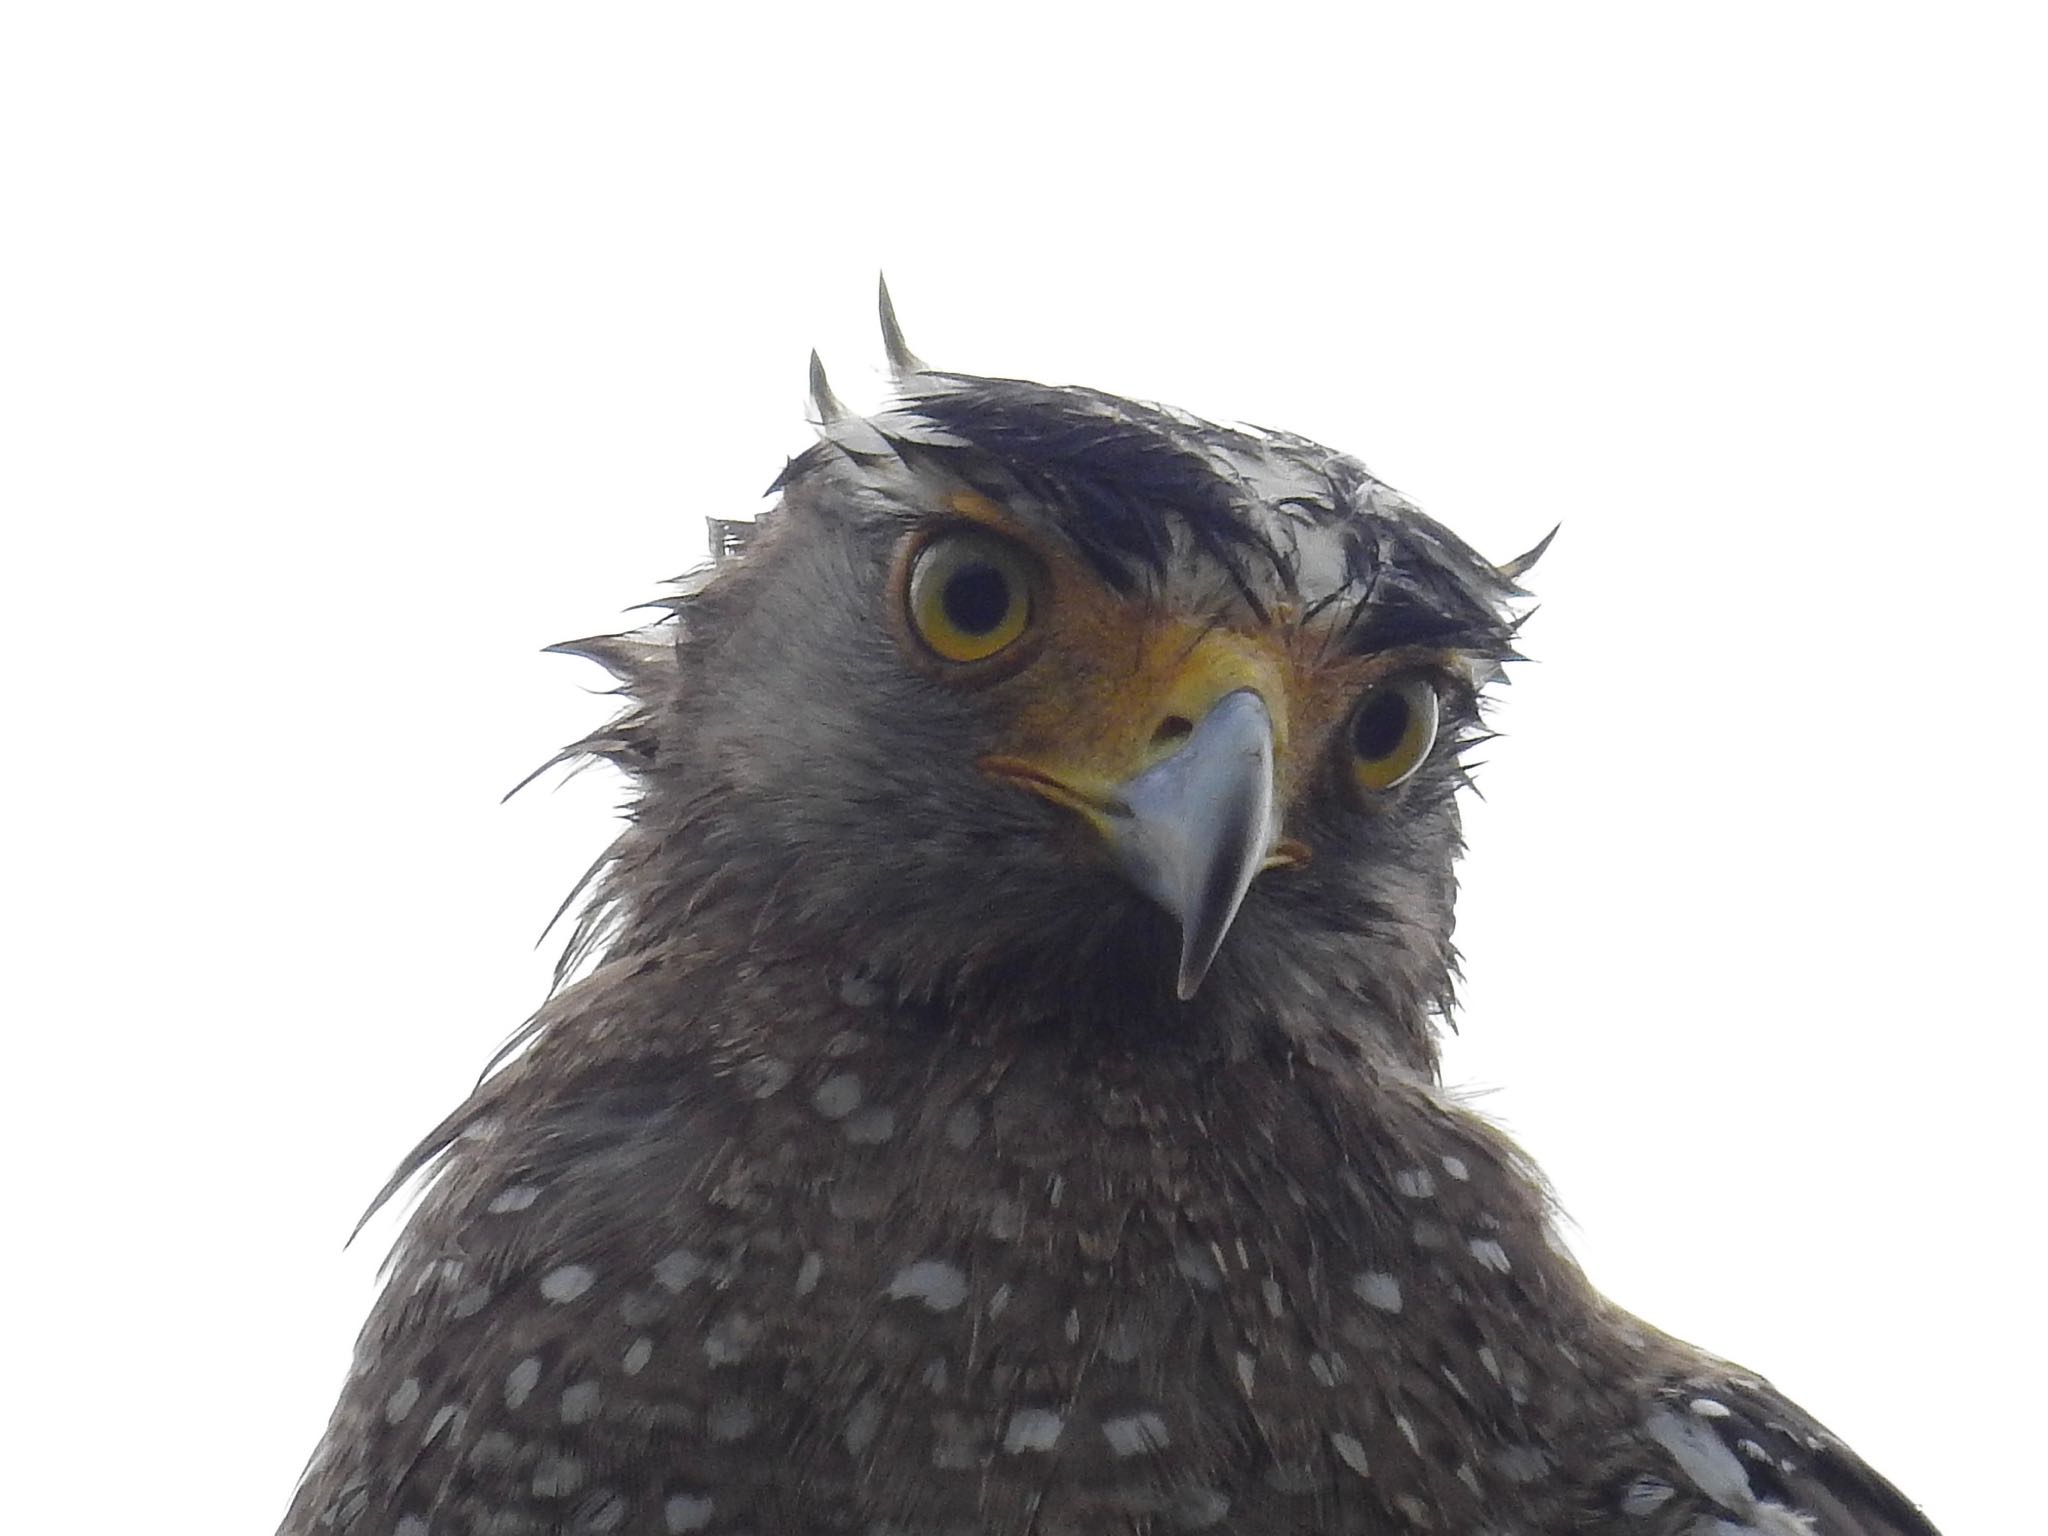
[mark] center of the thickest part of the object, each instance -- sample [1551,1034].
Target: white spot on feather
[838,1096]
[579,1402]
[521,1380]
[1199,1267]
[859,991]
[1033,1429]
[674,1271]
[1196,1509]
[939,1285]
[1350,1452]
[1489,1253]
[1379,1290]
[556,1477]
[730,1418]
[401,1401]
[871,1127]
[731,1339]
[470,1302]
[567,1283]
[1521,1463]
[686,1512]
[861,1424]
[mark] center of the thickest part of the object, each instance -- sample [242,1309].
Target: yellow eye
[1392,730]
[970,595]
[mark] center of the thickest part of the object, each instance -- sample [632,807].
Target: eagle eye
[970,595]
[1392,730]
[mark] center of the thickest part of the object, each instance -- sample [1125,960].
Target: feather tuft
[902,360]
[825,406]
[1514,570]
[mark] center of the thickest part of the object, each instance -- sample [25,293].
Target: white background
[351,354]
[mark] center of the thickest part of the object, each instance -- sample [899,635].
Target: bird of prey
[994,1088]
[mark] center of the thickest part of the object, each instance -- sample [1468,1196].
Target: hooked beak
[1189,813]
[1192,831]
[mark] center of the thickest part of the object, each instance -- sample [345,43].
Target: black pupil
[977,598]
[1379,727]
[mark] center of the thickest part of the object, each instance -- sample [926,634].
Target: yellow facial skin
[1091,687]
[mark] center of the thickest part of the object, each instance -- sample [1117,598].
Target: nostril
[1173,728]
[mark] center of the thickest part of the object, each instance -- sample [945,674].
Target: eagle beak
[1175,760]
[1192,830]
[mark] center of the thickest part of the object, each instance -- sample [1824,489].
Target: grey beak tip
[1198,956]
[1200,825]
